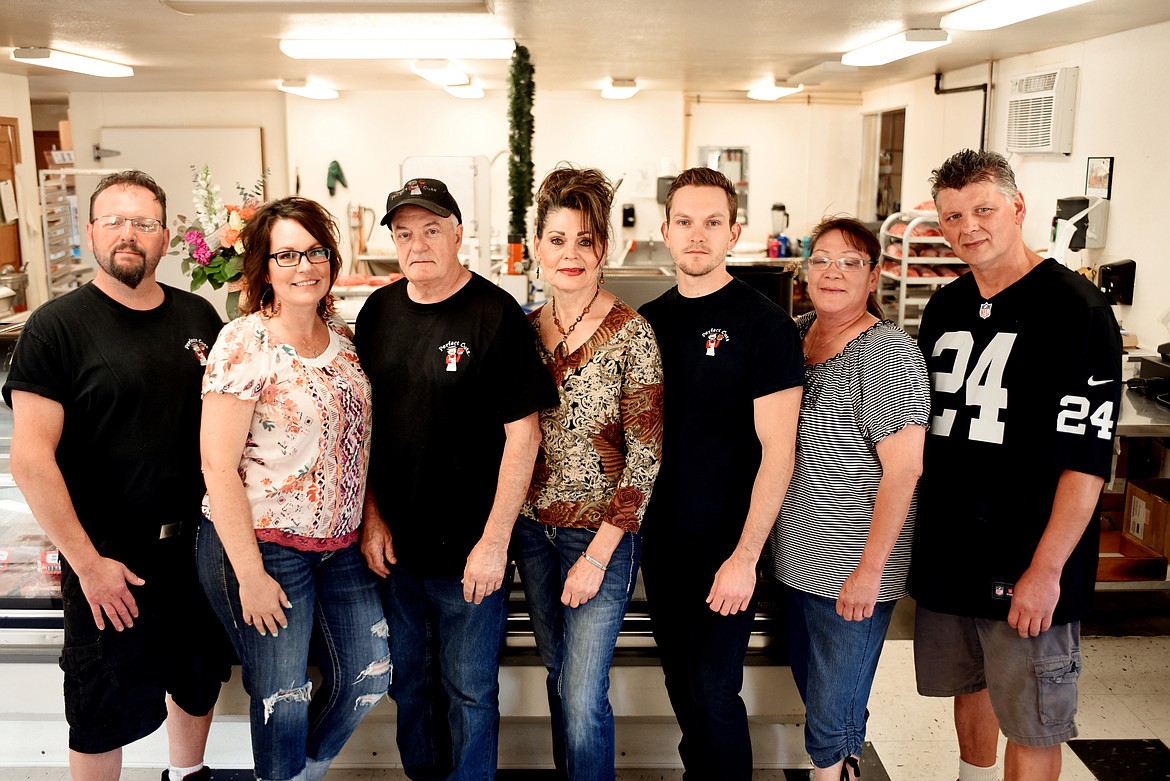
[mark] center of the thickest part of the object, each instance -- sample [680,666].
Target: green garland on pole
[520,128]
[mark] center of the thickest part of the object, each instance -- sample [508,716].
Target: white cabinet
[916,261]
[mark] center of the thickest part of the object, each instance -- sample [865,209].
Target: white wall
[1120,113]
[936,125]
[804,155]
[370,133]
[14,102]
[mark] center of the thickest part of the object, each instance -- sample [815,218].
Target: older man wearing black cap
[457,387]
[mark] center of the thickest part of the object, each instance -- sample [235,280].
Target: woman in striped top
[842,541]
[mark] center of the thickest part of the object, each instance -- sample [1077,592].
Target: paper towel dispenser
[1089,214]
[1116,281]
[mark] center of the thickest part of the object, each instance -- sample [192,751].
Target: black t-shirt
[446,378]
[720,352]
[1024,386]
[128,381]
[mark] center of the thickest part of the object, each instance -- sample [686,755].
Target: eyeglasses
[821,263]
[115,222]
[292,257]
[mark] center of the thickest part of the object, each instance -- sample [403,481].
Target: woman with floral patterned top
[577,543]
[285,442]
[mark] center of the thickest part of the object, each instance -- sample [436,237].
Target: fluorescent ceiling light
[400,49]
[897,47]
[328,6]
[308,89]
[774,90]
[440,72]
[821,71]
[993,14]
[469,91]
[620,89]
[51,58]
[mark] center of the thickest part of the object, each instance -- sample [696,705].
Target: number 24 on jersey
[983,389]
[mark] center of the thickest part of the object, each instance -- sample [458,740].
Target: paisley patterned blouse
[602,446]
[305,459]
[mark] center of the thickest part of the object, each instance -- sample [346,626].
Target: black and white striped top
[874,387]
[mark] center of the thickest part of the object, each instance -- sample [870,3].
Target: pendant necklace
[561,353]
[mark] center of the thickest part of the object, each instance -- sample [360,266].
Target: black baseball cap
[429,194]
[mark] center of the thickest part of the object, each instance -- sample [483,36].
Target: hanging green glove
[335,175]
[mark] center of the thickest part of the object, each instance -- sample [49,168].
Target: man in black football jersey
[1020,444]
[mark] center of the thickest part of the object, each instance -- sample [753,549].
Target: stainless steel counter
[1141,416]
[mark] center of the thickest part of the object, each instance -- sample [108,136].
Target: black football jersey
[1025,385]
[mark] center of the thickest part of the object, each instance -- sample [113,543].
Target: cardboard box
[1147,513]
[1123,559]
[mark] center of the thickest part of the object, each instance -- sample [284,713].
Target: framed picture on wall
[1099,177]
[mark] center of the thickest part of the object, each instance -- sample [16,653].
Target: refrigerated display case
[30,568]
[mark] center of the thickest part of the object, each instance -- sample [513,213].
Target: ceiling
[694,46]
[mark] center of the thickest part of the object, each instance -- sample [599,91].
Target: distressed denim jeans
[446,682]
[576,644]
[296,731]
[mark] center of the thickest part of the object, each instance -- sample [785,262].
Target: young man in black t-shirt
[104,389]
[732,373]
[457,388]
[1020,443]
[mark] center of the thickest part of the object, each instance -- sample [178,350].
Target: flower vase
[234,289]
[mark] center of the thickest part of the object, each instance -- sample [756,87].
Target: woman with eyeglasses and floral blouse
[285,442]
[842,541]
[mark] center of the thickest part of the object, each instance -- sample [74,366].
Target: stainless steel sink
[643,254]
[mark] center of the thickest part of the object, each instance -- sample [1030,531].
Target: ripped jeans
[296,730]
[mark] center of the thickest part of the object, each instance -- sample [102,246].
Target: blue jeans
[576,644]
[296,732]
[833,662]
[702,657]
[447,654]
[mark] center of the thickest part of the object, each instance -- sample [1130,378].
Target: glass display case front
[30,568]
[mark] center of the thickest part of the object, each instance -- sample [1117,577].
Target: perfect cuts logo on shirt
[715,337]
[453,353]
[199,347]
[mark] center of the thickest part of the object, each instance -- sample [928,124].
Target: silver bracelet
[593,561]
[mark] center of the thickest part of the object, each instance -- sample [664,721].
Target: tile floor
[1125,697]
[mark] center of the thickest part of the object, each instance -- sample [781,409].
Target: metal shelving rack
[902,292]
[61,229]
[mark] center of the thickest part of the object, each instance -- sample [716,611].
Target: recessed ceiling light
[993,14]
[51,58]
[774,90]
[467,91]
[400,49]
[897,47]
[440,72]
[620,89]
[308,89]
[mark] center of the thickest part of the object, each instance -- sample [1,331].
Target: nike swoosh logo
[1099,382]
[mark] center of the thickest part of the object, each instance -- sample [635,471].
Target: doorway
[882,158]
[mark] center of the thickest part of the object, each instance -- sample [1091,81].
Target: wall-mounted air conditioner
[1041,109]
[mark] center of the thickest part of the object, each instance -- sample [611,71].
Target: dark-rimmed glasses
[292,257]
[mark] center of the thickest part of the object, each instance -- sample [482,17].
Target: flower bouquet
[210,245]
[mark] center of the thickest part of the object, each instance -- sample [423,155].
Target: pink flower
[198,247]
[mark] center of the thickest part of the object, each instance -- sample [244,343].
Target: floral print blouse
[602,445]
[305,458]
